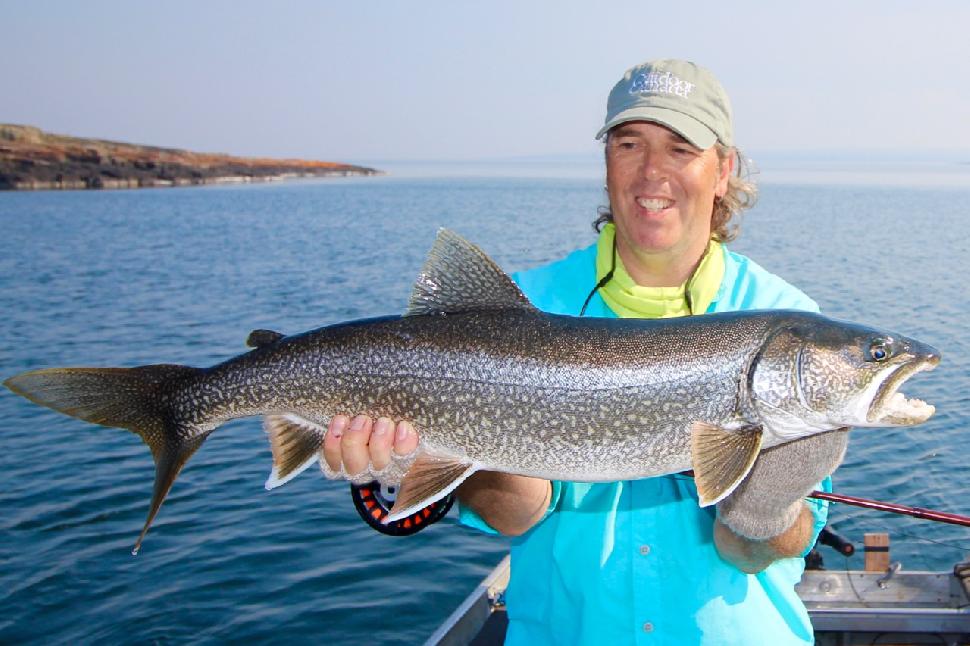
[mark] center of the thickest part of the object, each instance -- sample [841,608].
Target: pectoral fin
[722,458]
[429,479]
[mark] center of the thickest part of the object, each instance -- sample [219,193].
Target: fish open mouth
[891,408]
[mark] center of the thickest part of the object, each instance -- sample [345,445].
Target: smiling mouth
[891,407]
[654,204]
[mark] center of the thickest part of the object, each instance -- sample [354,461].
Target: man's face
[661,192]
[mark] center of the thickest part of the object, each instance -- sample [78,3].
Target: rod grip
[837,542]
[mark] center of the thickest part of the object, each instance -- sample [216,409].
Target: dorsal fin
[458,277]
[260,338]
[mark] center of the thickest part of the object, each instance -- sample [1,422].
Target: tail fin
[129,398]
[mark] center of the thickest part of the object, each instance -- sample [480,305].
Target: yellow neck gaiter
[630,300]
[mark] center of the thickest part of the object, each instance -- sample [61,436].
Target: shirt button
[648,627]
[644,549]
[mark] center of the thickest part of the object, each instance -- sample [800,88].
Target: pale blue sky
[460,80]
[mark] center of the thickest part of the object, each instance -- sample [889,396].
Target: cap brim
[687,127]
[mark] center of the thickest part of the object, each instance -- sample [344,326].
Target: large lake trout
[492,383]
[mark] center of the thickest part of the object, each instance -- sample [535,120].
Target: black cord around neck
[605,279]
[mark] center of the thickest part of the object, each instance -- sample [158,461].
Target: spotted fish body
[518,391]
[491,383]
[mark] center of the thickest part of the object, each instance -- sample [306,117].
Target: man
[640,561]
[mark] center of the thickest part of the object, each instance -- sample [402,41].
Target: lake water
[182,275]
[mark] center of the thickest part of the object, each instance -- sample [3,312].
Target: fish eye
[879,350]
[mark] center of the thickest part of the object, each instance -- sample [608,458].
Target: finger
[405,438]
[331,443]
[353,445]
[380,443]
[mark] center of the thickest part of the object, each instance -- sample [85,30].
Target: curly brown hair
[726,217]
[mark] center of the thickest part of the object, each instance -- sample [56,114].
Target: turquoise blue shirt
[634,562]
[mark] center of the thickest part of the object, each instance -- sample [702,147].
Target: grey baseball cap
[677,94]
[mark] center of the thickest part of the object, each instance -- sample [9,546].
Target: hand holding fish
[363,449]
[766,518]
[768,501]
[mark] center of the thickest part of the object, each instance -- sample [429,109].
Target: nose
[653,165]
[924,351]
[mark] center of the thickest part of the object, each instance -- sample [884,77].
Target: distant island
[31,159]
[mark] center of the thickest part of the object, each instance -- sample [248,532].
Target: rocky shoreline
[31,159]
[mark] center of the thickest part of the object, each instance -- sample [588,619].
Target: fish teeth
[899,403]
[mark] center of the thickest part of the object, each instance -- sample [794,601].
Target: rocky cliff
[33,159]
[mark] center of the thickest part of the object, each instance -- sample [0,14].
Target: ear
[724,172]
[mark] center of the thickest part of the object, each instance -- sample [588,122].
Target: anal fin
[295,443]
[428,480]
[722,458]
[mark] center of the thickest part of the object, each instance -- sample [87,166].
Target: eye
[880,350]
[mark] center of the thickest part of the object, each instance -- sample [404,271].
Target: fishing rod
[915,512]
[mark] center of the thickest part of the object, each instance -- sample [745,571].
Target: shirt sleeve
[749,286]
[469,518]
[820,512]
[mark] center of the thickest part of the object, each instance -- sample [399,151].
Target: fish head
[815,373]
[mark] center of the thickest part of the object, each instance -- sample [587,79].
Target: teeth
[654,205]
[899,403]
